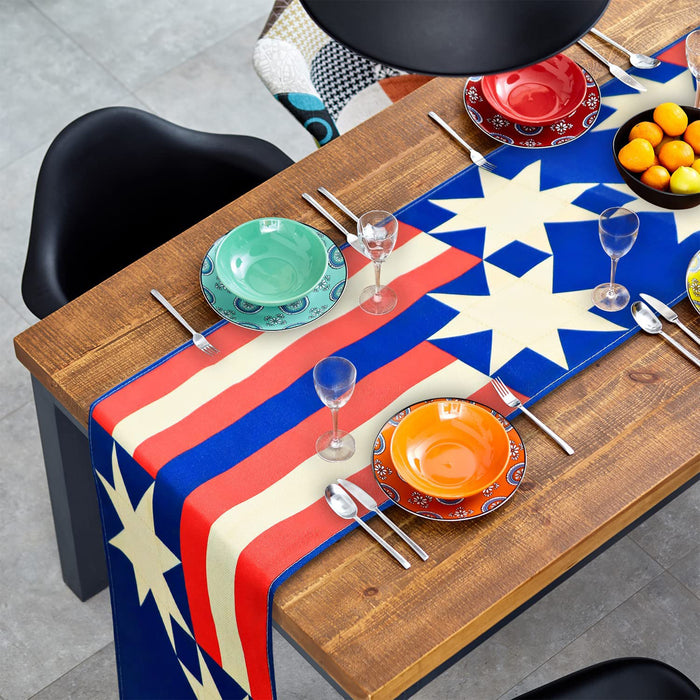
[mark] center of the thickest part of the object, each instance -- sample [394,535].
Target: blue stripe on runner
[283,412]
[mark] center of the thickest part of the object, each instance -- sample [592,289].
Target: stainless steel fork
[510,399]
[476,157]
[197,338]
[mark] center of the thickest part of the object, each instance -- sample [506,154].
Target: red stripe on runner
[315,525]
[251,476]
[259,564]
[286,367]
[165,376]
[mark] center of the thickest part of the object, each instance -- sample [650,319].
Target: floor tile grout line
[15,410]
[661,564]
[12,306]
[590,627]
[682,583]
[74,41]
[197,54]
[69,671]
[132,90]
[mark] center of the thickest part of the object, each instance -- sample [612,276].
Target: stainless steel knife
[669,314]
[618,72]
[368,502]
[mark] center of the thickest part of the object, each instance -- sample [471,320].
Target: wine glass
[617,228]
[377,231]
[692,54]
[334,380]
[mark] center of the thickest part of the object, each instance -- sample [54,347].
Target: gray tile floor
[191,63]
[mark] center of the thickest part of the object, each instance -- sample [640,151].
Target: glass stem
[377,273]
[613,268]
[697,93]
[334,416]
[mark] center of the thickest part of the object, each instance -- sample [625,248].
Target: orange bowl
[450,448]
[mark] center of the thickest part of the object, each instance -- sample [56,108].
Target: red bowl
[538,94]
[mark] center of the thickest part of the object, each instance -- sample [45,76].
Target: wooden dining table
[375,629]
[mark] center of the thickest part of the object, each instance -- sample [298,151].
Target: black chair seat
[117,183]
[619,679]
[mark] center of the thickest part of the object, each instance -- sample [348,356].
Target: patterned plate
[692,281]
[320,300]
[502,129]
[425,506]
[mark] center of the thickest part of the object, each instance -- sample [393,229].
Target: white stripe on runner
[300,488]
[214,379]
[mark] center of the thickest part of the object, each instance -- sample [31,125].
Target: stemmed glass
[377,231]
[692,54]
[617,228]
[334,380]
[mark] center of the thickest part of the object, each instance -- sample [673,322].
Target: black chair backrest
[627,678]
[117,183]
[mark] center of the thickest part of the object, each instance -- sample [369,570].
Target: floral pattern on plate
[502,129]
[692,281]
[322,298]
[426,506]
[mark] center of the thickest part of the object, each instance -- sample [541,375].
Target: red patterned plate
[501,128]
[425,506]
[538,94]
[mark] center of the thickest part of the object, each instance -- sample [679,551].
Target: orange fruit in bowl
[637,155]
[671,118]
[692,136]
[650,131]
[657,177]
[676,154]
[696,165]
[662,143]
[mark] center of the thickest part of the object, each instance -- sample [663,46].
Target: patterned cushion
[328,88]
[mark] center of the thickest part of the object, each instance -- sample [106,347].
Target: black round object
[667,200]
[627,678]
[456,37]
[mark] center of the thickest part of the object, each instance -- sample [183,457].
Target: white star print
[512,210]
[687,220]
[206,690]
[678,90]
[508,312]
[147,554]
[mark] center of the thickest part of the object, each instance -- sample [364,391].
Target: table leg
[73,496]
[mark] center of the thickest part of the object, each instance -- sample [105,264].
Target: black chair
[117,183]
[631,678]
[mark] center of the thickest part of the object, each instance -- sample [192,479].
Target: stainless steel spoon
[345,507]
[638,60]
[646,320]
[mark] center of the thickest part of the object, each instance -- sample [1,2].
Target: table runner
[210,491]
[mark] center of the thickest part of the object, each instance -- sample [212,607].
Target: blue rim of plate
[692,279]
[321,299]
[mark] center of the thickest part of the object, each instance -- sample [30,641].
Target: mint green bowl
[271,261]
